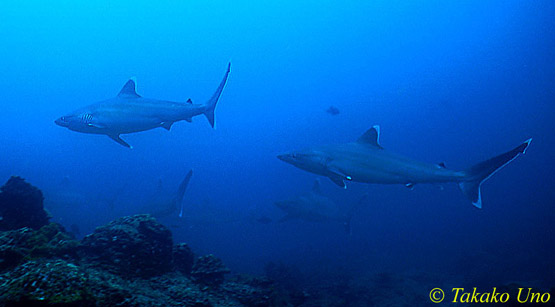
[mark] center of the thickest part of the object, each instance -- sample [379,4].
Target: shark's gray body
[366,161]
[128,112]
[316,207]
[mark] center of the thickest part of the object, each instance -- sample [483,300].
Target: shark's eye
[63,118]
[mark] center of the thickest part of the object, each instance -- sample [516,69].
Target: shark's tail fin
[182,189]
[478,173]
[211,104]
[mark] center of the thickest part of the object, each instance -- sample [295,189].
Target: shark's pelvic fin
[371,137]
[128,90]
[120,141]
[480,172]
[166,125]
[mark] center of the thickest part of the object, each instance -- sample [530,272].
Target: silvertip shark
[128,112]
[315,207]
[367,161]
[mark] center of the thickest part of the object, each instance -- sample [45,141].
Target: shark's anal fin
[120,141]
[166,125]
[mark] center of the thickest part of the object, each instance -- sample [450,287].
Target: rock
[45,282]
[21,205]
[209,270]
[25,243]
[183,258]
[133,246]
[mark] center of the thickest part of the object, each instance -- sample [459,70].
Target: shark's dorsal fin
[371,137]
[441,165]
[128,90]
[316,187]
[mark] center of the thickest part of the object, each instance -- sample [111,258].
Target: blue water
[447,82]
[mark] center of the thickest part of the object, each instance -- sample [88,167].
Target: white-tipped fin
[129,90]
[371,137]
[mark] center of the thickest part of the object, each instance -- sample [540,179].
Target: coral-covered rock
[183,258]
[45,282]
[25,243]
[209,270]
[21,205]
[131,246]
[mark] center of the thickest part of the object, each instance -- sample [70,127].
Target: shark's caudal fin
[211,104]
[182,189]
[478,173]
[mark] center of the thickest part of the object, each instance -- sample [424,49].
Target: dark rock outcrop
[183,258]
[209,270]
[134,246]
[21,205]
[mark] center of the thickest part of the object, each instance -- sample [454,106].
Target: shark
[366,161]
[161,205]
[315,207]
[128,112]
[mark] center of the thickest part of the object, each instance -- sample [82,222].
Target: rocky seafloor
[133,261]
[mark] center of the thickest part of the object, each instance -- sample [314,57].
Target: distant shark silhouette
[162,206]
[366,161]
[128,113]
[316,207]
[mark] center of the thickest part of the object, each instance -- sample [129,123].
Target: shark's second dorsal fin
[128,90]
[371,137]
[316,187]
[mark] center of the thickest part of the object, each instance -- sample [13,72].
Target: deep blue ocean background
[453,82]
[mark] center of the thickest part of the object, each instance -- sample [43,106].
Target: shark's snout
[61,122]
[289,158]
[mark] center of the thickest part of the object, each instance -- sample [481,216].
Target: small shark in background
[161,205]
[367,161]
[333,110]
[128,113]
[316,207]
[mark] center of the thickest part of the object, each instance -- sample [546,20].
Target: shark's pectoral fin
[338,177]
[316,187]
[166,125]
[96,125]
[120,141]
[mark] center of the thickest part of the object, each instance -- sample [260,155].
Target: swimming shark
[128,112]
[367,161]
[316,207]
[161,205]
